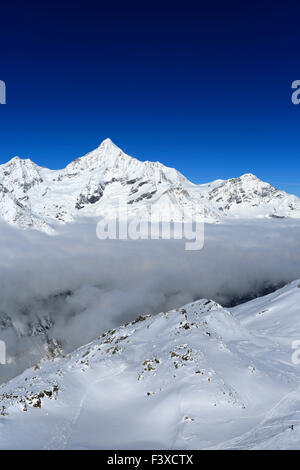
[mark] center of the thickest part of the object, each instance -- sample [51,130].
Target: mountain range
[91,186]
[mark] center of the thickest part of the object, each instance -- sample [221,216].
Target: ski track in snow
[62,433]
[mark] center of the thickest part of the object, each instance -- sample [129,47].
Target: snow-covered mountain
[36,197]
[199,376]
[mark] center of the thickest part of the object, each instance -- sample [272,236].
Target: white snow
[199,376]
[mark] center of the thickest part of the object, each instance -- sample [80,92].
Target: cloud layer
[72,287]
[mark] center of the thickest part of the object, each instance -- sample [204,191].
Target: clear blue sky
[201,86]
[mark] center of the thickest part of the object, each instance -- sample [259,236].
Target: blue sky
[203,88]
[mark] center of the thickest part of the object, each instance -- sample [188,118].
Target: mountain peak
[20,162]
[15,159]
[248,176]
[108,143]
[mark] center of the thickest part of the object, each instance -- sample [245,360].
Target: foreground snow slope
[195,377]
[93,185]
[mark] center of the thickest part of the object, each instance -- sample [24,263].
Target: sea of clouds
[73,286]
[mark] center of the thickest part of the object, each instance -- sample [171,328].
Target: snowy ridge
[193,377]
[92,185]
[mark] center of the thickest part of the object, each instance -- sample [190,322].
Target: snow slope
[195,377]
[93,185]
